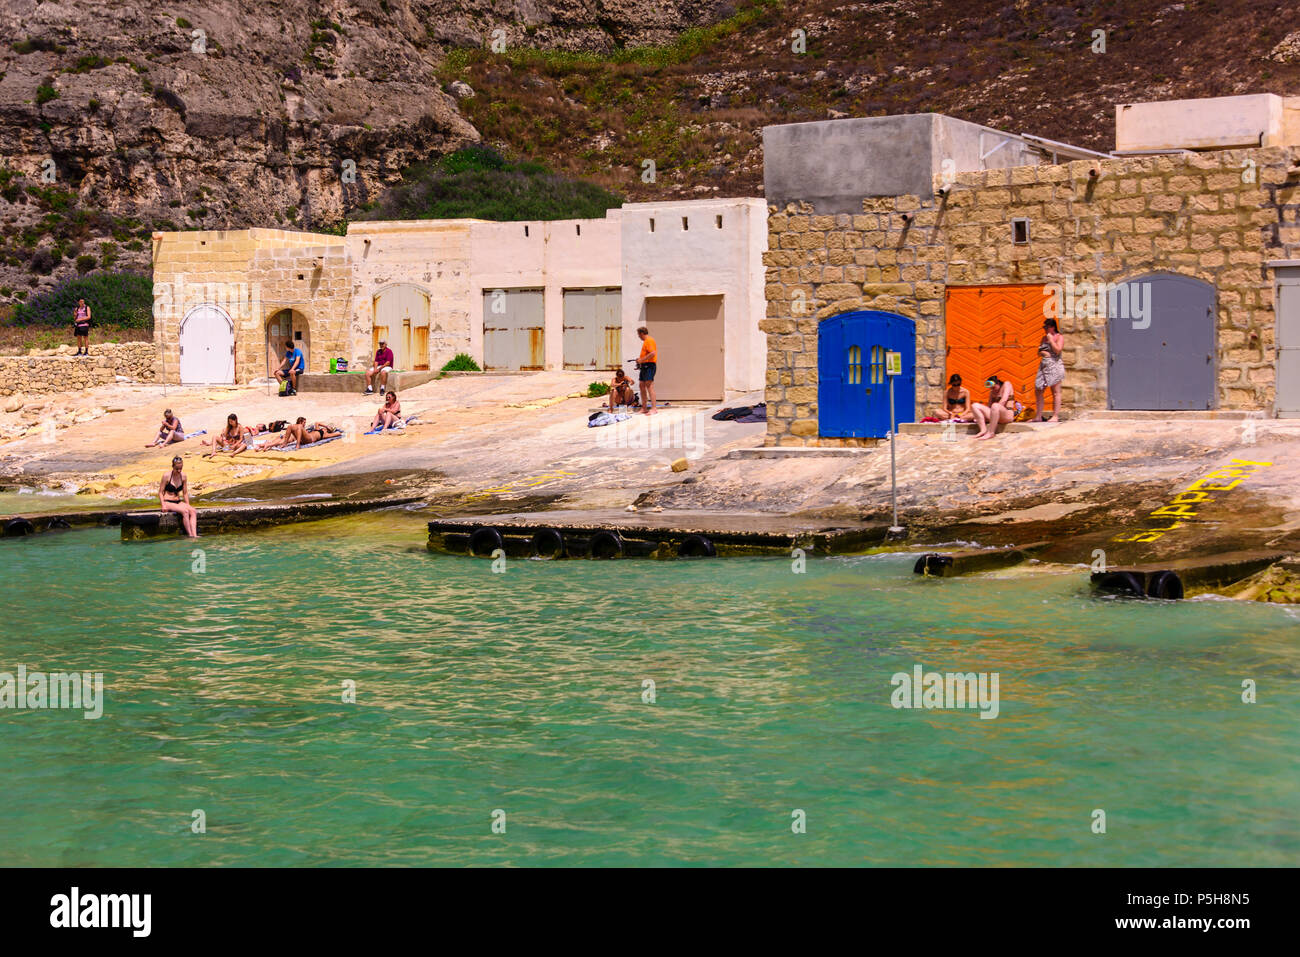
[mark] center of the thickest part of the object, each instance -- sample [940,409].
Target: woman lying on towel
[262,428]
[301,433]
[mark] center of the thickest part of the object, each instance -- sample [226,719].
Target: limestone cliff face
[129,116]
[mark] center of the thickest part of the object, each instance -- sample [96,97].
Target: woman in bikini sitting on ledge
[174,496]
[956,402]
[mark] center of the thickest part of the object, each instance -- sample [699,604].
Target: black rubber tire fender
[607,544]
[484,541]
[548,543]
[696,546]
[1166,585]
[18,526]
[1122,583]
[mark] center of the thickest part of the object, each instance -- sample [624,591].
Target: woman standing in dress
[81,327]
[1051,370]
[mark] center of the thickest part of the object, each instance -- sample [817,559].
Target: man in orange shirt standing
[647,362]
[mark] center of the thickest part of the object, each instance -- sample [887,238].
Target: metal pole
[893,468]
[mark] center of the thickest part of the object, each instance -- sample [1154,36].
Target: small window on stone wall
[1020,231]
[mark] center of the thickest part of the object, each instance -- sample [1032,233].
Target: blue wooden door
[853,389]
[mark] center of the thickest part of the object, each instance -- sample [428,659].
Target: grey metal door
[513,333]
[1288,343]
[1161,335]
[593,328]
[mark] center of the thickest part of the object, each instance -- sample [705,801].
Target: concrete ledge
[356,382]
[965,428]
[1145,416]
[967,561]
[137,526]
[15,526]
[1171,579]
[797,452]
[523,536]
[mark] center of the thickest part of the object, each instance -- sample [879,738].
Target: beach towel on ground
[604,418]
[399,424]
[726,415]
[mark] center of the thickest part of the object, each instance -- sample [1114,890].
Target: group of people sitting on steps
[1001,406]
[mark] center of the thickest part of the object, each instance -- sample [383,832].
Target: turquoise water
[522,692]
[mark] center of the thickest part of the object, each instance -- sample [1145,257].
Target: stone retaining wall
[32,375]
[1219,217]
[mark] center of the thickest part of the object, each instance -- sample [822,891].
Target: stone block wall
[251,274]
[1219,217]
[64,372]
[435,256]
[314,281]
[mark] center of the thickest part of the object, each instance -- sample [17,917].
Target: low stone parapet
[356,381]
[66,372]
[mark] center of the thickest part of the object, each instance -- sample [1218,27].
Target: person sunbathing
[319,432]
[174,496]
[389,415]
[292,436]
[956,402]
[998,411]
[301,433]
[230,439]
[170,431]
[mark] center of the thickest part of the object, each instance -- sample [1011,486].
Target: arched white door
[402,318]
[207,347]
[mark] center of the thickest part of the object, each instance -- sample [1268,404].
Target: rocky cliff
[118,118]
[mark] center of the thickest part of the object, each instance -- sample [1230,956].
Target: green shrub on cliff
[480,183]
[115,298]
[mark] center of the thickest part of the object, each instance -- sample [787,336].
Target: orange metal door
[994,330]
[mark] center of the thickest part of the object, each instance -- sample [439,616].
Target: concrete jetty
[17,526]
[1176,578]
[137,526]
[968,561]
[642,535]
